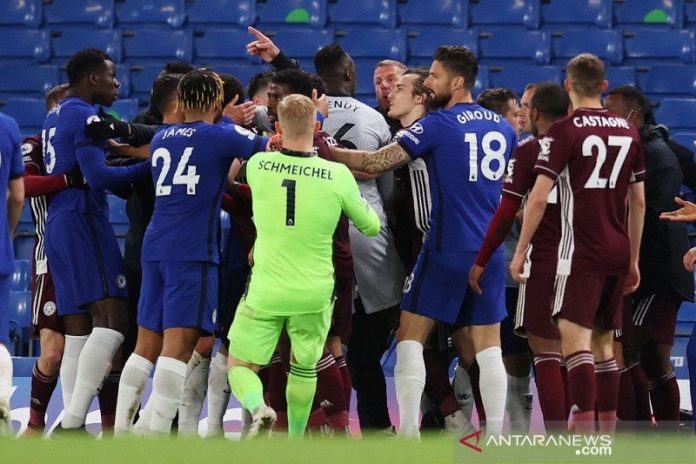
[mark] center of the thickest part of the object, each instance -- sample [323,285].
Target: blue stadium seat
[20,281]
[117,215]
[142,76]
[156,45]
[25,225]
[23,246]
[569,43]
[243,73]
[363,13]
[678,114]
[650,45]
[364,87]
[422,43]
[514,45]
[20,322]
[667,80]
[649,12]
[517,77]
[126,110]
[66,42]
[302,43]
[505,13]
[25,45]
[621,75]
[367,98]
[453,13]
[24,13]
[151,12]
[26,80]
[690,14]
[687,312]
[582,13]
[685,138]
[377,44]
[220,13]
[293,12]
[96,13]
[28,112]
[221,45]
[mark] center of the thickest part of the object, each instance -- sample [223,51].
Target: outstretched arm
[264,48]
[687,213]
[102,177]
[386,158]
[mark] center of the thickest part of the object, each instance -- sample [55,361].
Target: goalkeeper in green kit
[297,201]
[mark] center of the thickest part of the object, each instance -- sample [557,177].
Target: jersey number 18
[490,154]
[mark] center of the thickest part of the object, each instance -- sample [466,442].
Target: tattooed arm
[386,158]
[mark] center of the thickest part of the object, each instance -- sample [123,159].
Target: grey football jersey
[378,269]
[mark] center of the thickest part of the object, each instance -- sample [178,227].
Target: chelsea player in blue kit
[465,148]
[181,249]
[12,184]
[80,243]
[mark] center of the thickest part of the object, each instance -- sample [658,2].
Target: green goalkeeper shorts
[254,335]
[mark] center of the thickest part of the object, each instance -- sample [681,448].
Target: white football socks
[93,366]
[519,404]
[130,390]
[5,375]
[195,387]
[409,378]
[218,395]
[493,386]
[463,391]
[68,366]
[167,388]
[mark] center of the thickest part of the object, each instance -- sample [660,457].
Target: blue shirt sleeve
[419,138]
[91,157]
[241,142]
[17,162]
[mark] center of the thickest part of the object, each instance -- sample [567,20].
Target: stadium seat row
[21,86]
[531,14]
[619,46]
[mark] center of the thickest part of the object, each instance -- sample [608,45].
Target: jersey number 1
[289,201]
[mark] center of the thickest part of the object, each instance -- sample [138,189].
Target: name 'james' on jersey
[189,165]
[466,148]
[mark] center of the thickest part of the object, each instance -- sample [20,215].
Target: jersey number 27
[190,179]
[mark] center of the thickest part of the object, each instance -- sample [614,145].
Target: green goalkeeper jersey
[297,203]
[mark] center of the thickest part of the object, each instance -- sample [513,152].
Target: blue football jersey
[11,167]
[65,145]
[189,165]
[466,149]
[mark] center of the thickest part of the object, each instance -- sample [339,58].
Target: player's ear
[605,86]
[457,83]
[535,114]
[278,129]
[566,85]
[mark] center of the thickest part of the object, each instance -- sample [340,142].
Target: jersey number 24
[190,179]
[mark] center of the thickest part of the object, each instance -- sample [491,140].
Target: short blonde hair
[586,74]
[297,115]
